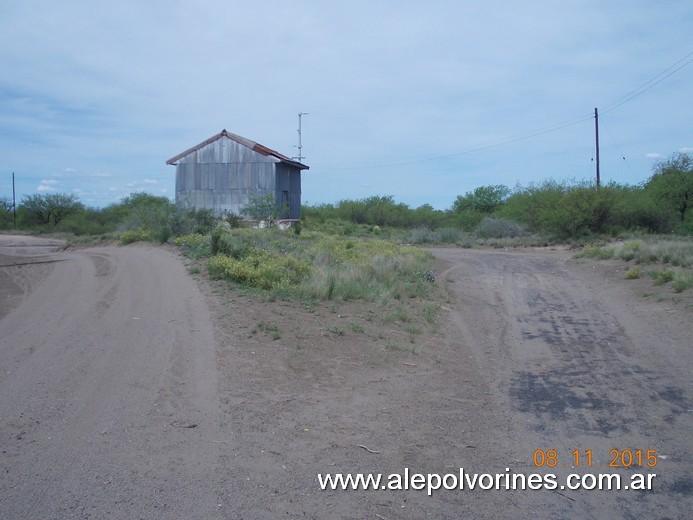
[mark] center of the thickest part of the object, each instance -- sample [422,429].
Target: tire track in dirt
[105,367]
[574,368]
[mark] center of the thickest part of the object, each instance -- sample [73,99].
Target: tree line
[561,209]
[662,204]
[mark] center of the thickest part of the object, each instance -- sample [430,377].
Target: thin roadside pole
[14,203]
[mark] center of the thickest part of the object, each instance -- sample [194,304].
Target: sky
[422,101]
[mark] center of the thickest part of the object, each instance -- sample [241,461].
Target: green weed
[135,235]
[337,331]
[400,346]
[355,327]
[269,328]
[633,273]
[682,281]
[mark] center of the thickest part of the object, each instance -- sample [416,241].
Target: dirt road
[130,390]
[106,365]
[575,360]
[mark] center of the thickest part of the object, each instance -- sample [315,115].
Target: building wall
[224,174]
[223,188]
[289,189]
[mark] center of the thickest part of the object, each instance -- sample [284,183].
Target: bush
[663,277]
[319,266]
[194,245]
[260,269]
[491,227]
[633,273]
[682,281]
[448,235]
[444,235]
[135,235]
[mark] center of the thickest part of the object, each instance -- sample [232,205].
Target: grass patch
[682,281]
[431,313]
[135,235]
[355,327]
[194,245]
[269,329]
[337,331]
[315,266]
[402,347]
[677,252]
[398,315]
[662,277]
[633,273]
[597,252]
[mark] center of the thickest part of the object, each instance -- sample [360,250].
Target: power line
[651,83]
[522,137]
[666,73]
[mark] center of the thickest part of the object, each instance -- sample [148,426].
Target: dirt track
[131,391]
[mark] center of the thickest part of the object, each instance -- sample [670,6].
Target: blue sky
[419,100]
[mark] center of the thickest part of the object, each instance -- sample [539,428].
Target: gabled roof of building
[256,147]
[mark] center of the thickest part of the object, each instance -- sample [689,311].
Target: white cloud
[47,185]
[416,83]
[686,149]
[654,155]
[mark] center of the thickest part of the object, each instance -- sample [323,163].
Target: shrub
[491,227]
[259,269]
[135,235]
[663,277]
[422,235]
[445,235]
[682,281]
[192,241]
[164,234]
[633,273]
[194,245]
[448,235]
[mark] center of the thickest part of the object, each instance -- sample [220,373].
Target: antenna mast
[300,156]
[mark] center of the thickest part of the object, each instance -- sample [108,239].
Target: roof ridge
[248,143]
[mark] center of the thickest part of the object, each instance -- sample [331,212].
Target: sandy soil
[131,389]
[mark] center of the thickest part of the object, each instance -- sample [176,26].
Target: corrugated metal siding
[289,179]
[226,151]
[224,188]
[224,174]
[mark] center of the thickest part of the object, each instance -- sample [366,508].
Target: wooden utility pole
[596,139]
[14,202]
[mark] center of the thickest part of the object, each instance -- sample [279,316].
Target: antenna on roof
[300,156]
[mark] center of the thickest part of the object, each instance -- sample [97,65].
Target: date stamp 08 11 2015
[626,458]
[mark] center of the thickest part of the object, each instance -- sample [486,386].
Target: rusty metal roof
[256,147]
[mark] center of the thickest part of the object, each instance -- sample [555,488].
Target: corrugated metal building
[222,173]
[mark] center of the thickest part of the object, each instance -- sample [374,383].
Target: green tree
[484,199]
[672,184]
[6,208]
[52,207]
[264,208]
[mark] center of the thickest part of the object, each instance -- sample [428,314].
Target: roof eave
[256,147]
